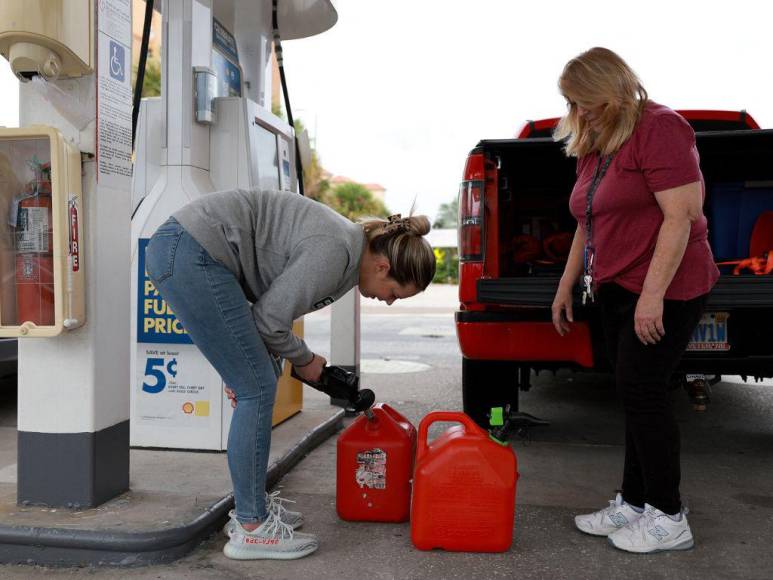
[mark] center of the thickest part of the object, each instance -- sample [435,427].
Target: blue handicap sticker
[117,61]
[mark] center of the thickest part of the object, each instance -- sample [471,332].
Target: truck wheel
[486,384]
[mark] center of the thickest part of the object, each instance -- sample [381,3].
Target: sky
[398,92]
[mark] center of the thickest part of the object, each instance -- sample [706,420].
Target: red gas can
[463,489]
[374,467]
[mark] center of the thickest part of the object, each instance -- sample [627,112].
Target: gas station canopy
[297,18]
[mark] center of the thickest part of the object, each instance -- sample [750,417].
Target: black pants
[642,374]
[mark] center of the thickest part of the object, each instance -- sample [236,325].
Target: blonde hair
[599,77]
[401,241]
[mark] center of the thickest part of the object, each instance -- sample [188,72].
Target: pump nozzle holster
[339,383]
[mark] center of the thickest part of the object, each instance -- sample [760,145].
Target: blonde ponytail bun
[417,224]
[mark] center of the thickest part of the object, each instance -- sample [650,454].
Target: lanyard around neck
[601,169]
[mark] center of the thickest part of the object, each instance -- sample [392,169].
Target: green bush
[447,266]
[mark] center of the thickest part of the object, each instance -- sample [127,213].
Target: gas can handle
[393,413]
[403,422]
[436,416]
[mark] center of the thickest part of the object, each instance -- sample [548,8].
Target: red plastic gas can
[374,467]
[463,489]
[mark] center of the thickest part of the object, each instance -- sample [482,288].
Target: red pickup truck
[515,231]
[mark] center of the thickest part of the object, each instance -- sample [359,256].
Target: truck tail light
[471,210]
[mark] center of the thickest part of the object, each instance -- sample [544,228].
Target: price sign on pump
[171,387]
[156,323]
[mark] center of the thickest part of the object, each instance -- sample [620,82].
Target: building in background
[377,191]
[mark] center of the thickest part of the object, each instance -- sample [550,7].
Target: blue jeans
[207,299]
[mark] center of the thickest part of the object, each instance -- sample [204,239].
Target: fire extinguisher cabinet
[41,251]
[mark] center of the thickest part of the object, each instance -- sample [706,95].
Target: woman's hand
[309,372]
[312,371]
[231,395]
[562,309]
[648,318]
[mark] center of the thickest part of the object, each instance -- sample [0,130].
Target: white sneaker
[273,504]
[654,532]
[272,540]
[607,520]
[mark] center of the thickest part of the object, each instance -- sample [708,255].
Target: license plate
[711,333]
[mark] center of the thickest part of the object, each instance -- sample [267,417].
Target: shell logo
[188,408]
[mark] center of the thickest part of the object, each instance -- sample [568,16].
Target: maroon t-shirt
[659,155]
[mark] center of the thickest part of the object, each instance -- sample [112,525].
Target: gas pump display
[40,252]
[225,61]
[266,157]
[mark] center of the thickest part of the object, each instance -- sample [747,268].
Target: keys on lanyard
[587,279]
[587,293]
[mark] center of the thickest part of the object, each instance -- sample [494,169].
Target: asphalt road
[571,467]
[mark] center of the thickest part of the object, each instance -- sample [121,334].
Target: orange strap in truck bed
[757,265]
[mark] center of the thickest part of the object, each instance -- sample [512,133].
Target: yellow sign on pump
[289,391]
[41,249]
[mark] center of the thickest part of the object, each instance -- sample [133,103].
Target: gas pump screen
[229,76]
[225,61]
[266,157]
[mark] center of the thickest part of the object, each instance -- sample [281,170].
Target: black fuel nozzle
[498,427]
[503,422]
[339,383]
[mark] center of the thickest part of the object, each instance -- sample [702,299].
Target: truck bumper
[491,336]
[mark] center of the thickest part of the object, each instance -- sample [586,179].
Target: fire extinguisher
[34,250]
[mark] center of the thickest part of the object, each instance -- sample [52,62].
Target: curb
[64,547]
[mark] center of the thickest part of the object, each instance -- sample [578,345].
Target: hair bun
[417,224]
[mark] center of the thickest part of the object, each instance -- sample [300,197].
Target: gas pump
[211,129]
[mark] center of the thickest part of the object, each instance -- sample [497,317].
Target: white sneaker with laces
[607,520]
[272,540]
[654,532]
[273,504]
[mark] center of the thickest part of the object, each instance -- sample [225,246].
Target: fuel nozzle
[339,383]
[503,422]
[497,428]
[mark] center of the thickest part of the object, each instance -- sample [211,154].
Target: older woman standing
[641,252]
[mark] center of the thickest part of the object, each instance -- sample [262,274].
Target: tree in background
[315,185]
[447,259]
[446,266]
[447,215]
[353,200]
[151,84]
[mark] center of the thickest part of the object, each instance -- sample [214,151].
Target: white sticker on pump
[371,469]
[114,94]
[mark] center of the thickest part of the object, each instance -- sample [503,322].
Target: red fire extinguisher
[34,250]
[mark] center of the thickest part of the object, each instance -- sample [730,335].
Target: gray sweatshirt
[291,255]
